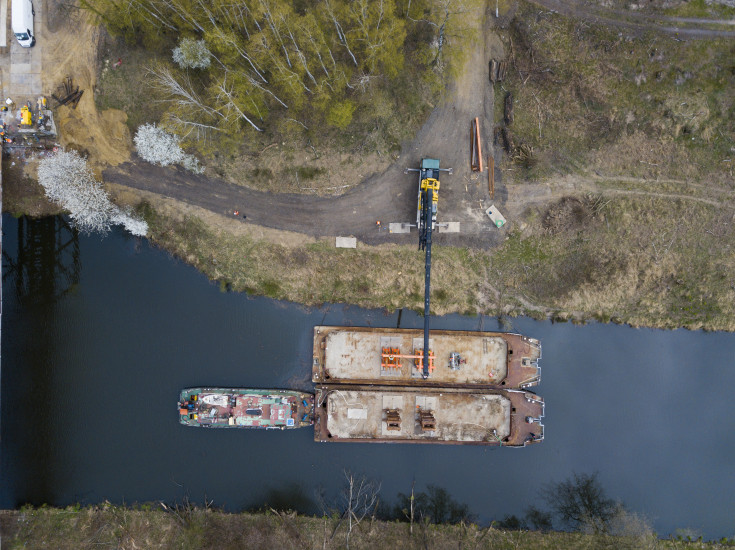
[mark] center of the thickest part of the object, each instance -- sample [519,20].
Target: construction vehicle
[26,117]
[426,213]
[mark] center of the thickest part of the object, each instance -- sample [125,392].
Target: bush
[192,54]
[68,181]
[157,146]
[340,115]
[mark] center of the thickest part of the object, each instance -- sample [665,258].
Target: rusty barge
[510,418]
[371,387]
[394,357]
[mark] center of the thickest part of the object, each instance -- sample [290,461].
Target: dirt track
[683,27]
[389,196]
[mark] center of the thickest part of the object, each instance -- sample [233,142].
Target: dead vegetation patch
[572,214]
[582,92]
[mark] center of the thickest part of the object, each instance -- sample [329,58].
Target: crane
[428,202]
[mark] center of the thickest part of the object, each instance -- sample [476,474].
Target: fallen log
[508,111]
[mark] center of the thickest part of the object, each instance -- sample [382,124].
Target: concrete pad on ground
[495,215]
[346,242]
[20,68]
[449,227]
[4,26]
[399,227]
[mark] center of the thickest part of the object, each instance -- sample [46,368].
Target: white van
[22,16]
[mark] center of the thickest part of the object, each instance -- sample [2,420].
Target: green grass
[126,87]
[701,8]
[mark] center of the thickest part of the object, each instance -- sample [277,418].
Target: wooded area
[245,64]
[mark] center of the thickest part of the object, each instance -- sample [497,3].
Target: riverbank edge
[479,298]
[166,212]
[158,525]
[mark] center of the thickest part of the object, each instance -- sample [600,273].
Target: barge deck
[424,415]
[388,357]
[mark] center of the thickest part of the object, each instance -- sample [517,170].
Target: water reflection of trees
[44,266]
[435,505]
[47,263]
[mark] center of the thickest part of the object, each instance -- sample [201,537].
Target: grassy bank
[613,256]
[315,272]
[150,526]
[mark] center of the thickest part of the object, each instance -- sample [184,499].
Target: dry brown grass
[616,255]
[151,527]
[314,271]
[591,98]
[645,260]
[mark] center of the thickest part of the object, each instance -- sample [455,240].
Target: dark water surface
[99,336]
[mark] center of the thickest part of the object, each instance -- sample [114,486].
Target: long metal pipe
[428,203]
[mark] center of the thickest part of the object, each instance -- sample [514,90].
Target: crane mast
[428,201]
[425,244]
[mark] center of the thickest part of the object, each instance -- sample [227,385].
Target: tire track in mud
[696,27]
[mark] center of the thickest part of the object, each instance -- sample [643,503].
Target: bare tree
[360,498]
[581,503]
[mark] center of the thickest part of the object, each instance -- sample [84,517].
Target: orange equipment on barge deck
[391,359]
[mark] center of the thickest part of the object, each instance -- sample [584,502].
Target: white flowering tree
[192,54]
[68,181]
[157,146]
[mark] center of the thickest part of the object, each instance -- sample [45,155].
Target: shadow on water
[289,496]
[46,264]
[41,261]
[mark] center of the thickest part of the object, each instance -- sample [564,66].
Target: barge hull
[425,415]
[357,355]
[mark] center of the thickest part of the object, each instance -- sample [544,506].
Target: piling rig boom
[428,202]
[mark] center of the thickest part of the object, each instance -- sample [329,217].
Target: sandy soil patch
[102,136]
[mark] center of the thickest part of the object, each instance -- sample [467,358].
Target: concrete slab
[449,227]
[346,242]
[4,20]
[19,78]
[495,215]
[399,227]
[21,68]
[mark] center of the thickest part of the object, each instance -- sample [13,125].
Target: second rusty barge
[394,357]
[510,418]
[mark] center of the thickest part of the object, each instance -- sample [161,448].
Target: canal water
[100,334]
